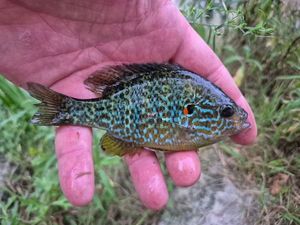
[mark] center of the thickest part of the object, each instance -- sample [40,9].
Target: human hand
[59,44]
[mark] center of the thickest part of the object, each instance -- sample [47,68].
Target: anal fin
[115,146]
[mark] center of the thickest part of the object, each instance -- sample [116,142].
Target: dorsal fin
[100,81]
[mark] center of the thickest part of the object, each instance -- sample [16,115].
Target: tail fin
[50,106]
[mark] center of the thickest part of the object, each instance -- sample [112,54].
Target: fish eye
[188,109]
[227,111]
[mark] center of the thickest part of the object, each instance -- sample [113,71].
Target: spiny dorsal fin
[115,146]
[100,81]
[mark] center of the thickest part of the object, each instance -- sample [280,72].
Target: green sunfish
[157,106]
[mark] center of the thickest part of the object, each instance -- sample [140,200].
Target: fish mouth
[241,127]
[246,125]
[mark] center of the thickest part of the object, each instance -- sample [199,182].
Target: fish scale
[159,106]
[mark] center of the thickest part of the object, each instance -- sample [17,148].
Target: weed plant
[259,41]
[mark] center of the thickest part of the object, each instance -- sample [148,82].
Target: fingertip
[148,179]
[246,137]
[79,191]
[184,167]
[75,164]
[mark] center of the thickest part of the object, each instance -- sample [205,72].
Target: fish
[157,106]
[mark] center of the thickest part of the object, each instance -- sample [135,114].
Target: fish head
[217,118]
[209,113]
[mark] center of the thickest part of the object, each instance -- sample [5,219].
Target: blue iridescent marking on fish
[159,106]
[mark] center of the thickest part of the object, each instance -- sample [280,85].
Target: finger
[75,164]
[184,167]
[194,54]
[74,147]
[148,179]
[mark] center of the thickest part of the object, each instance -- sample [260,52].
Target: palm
[64,48]
[60,44]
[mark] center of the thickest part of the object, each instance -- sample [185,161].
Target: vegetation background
[259,41]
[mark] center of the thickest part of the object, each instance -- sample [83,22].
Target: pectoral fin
[115,146]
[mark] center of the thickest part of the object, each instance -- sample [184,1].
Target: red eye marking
[189,109]
[185,111]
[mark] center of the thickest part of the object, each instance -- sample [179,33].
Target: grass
[32,195]
[259,41]
[254,45]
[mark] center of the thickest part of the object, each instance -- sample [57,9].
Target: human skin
[60,43]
